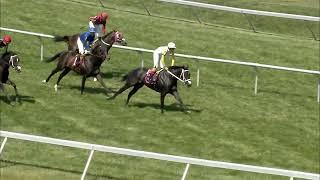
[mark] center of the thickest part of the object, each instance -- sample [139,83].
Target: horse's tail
[125,77]
[136,74]
[61,38]
[54,57]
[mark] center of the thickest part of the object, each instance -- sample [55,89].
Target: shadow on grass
[14,163]
[22,99]
[93,90]
[114,74]
[171,107]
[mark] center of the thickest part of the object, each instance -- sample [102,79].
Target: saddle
[151,77]
[78,63]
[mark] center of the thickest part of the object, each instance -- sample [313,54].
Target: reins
[182,73]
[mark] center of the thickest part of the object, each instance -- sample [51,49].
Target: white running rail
[140,50]
[158,156]
[244,11]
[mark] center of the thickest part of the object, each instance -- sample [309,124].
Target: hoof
[56,88]
[111,98]
[44,81]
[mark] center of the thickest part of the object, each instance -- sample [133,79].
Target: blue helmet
[92,29]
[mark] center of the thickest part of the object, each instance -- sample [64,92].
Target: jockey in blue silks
[85,40]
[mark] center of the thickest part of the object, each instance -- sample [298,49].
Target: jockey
[99,23]
[159,55]
[85,40]
[5,41]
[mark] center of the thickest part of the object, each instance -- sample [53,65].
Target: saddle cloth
[78,60]
[151,77]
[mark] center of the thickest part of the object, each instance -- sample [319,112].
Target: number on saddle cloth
[79,59]
[151,77]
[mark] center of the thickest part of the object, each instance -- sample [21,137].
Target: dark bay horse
[91,63]
[166,83]
[7,60]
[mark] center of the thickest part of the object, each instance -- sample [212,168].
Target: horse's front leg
[15,89]
[83,83]
[177,97]
[99,78]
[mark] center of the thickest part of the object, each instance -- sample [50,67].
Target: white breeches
[156,60]
[80,46]
[98,29]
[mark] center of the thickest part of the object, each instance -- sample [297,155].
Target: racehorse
[166,83]
[6,60]
[72,40]
[90,66]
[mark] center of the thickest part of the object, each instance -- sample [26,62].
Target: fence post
[41,48]
[141,56]
[291,178]
[312,33]
[256,81]
[146,8]
[87,165]
[185,172]
[318,98]
[198,73]
[3,143]
[250,23]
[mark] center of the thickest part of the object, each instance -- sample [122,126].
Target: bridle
[116,38]
[182,77]
[12,64]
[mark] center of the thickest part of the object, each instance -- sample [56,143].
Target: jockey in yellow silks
[161,53]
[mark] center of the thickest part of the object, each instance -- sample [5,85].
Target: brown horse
[90,63]
[72,40]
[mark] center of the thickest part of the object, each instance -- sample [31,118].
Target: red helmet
[104,15]
[6,39]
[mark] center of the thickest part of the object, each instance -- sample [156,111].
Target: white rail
[140,50]
[165,157]
[244,11]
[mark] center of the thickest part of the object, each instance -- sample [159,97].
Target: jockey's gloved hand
[86,52]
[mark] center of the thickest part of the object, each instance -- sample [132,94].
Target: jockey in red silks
[5,41]
[98,22]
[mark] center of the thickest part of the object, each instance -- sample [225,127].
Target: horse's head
[12,59]
[182,73]
[114,37]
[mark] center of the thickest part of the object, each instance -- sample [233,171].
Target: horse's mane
[108,34]
[7,53]
[178,67]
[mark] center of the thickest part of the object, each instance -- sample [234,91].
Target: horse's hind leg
[4,92]
[15,89]
[84,78]
[133,91]
[162,96]
[64,72]
[54,71]
[99,78]
[123,88]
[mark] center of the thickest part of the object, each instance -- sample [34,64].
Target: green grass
[278,128]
